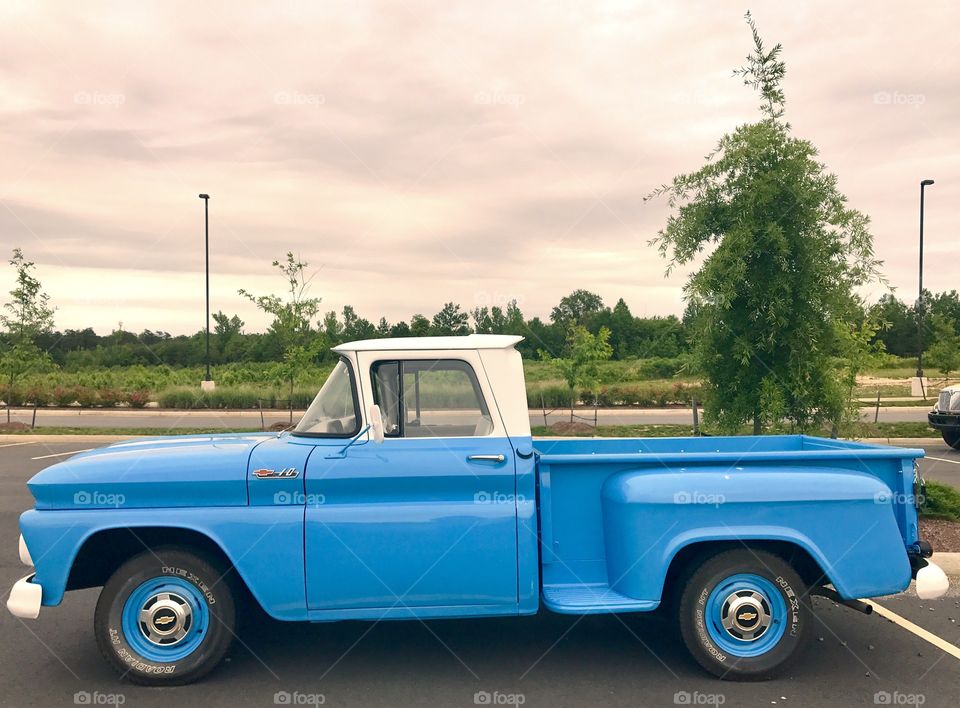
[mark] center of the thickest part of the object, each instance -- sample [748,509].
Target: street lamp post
[207,383]
[920,304]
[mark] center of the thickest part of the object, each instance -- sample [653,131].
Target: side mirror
[375,420]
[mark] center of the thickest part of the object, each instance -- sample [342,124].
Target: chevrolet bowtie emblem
[747,616]
[286,473]
[164,620]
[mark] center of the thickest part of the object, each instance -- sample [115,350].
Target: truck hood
[180,471]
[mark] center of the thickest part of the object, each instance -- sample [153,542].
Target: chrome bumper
[931,582]
[24,600]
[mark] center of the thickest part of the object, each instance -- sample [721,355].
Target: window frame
[401,411]
[357,411]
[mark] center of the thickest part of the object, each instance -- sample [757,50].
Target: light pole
[207,381]
[920,307]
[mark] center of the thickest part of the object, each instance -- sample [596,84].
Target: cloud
[420,153]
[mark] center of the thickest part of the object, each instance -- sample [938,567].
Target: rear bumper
[944,421]
[24,600]
[932,582]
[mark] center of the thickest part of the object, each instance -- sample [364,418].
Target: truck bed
[614,512]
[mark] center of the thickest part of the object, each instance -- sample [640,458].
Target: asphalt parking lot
[544,660]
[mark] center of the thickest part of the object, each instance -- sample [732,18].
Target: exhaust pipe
[857,605]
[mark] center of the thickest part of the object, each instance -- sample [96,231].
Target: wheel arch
[105,550]
[687,558]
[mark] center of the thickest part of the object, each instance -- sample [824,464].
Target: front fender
[845,520]
[264,544]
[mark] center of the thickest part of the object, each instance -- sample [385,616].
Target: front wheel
[165,617]
[951,437]
[745,615]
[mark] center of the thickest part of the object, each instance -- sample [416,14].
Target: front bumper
[944,421]
[24,600]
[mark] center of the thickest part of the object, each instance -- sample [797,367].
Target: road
[154,418]
[546,660]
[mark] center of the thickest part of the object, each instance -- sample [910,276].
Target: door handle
[487,458]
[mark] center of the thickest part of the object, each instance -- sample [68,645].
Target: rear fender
[844,520]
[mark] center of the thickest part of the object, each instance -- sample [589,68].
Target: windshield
[334,410]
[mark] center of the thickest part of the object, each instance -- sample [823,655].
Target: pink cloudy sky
[419,152]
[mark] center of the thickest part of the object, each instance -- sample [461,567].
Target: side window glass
[386,393]
[438,398]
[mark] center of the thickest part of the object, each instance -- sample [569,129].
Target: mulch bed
[14,425]
[944,536]
[280,427]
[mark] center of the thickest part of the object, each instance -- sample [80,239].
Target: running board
[595,598]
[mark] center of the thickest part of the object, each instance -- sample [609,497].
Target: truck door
[428,518]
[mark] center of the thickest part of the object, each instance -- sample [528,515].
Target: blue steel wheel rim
[746,615]
[165,619]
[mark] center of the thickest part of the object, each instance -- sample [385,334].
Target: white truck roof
[468,341]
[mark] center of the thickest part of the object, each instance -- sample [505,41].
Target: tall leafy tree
[775,296]
[293,317]
[25,317]
[579,367]
[576,308]
[419,326]
[450,320]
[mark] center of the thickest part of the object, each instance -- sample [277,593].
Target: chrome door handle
[486,458]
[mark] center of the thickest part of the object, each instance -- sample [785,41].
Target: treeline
[631,336]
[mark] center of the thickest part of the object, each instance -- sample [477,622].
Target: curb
[901,442]
[71,438]
[949,562]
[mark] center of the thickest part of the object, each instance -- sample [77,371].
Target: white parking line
[61,454]
[939,643]
[943,459]
[27,442]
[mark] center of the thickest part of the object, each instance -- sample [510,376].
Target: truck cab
[412,489]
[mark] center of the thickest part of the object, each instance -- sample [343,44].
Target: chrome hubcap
[165,618]
[746,615]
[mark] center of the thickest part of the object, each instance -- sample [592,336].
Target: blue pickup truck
[412,489]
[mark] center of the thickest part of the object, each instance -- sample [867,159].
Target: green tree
[419,326]
[226,329]
[944,353]
[27,316]
[580,367]
[293,317]
[898,325]
[356,327]
[576,308]
[451,320]
[775,295]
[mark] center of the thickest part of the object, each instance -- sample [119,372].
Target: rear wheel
[165,617]
[951,437]
[744,615]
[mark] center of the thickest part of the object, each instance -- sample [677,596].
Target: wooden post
[33,423]
[876,415]
[263,426]
[696,417]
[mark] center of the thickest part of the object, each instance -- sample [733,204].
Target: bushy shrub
[12,396]
[549,395]
[64,395]
[139,398]
[38,395]
[110,397]
[239,397]
[85,396]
